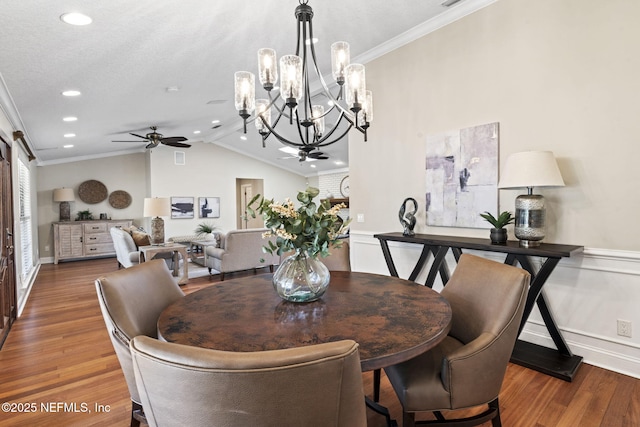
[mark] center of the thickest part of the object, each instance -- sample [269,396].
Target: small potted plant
[84,215]
[205,229]
[498,232]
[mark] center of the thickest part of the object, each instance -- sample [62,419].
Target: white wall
[560,76]
[211,171]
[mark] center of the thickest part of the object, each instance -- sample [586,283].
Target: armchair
[467,368]
[126,247]
[131,301]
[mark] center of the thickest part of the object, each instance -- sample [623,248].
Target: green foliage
[505,218]
[312,228]
[83,215]
[205,228]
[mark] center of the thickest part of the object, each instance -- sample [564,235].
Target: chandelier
[351,105]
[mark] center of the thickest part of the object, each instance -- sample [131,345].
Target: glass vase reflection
[301,278]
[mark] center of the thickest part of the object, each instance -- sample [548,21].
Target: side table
[147,253]
[560,363]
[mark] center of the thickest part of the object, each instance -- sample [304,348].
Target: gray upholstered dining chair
[317,385]
[131,301]
[467,368]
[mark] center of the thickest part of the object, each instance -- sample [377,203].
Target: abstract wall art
[462,176]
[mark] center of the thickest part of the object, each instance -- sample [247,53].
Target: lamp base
[530,220]
[65,211]
[157,231]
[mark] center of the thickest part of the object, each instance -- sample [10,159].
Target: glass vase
[301,278]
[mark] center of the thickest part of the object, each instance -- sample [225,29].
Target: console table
[560,363]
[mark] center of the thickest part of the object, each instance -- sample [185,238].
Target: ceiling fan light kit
[353,103]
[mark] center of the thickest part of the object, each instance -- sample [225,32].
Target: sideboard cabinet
[84,239]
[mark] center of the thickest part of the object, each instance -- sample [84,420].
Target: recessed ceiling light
[313,166]
[244,138]
[173,89]
[68,146]
[196,132]
[71,93]
[69,135]
[75,18]
[339,162]
[215,121]
[69,119]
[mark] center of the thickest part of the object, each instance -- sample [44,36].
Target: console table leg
[549,321]
[438,266]
[387,257]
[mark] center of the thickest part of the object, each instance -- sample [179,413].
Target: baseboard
[616,356]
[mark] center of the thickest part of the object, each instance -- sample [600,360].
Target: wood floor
[58,367]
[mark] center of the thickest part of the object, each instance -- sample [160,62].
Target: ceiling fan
[154,138]
[310,153]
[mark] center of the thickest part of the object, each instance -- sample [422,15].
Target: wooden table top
[391,319]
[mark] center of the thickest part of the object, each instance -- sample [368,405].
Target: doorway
[7,267]
[246,189]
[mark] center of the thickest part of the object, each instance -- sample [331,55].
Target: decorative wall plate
[92,191]
[119,199]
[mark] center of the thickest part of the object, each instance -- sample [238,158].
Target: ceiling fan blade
[175,144]
[127,141]
[317,155]
[173,139]
[139,136]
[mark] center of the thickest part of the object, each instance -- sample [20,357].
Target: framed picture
[182,207]
[462,176]
[209,207]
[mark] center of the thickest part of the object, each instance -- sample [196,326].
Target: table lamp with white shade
[157,207]
[530,169]
[64,196]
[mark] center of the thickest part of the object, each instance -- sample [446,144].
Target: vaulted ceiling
[171,64]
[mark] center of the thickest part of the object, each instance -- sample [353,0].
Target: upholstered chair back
[339,258]
[131,301]
[487,301]
[126,249]
[318,385]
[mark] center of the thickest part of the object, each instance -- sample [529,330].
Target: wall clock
[344,186]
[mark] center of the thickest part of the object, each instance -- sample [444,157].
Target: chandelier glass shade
[292,99]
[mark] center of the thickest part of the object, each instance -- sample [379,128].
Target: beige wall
[557,75]
[126,173]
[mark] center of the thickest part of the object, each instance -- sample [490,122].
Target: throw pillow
[140,238]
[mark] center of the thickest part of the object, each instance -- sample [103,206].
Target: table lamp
[157,207]
[530,169]
[64,196]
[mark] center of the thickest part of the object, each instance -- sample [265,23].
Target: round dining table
[391,319]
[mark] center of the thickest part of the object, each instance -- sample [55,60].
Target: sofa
[126,243]
[240,250]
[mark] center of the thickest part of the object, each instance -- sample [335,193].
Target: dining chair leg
[137,414]
[408,419]
[376,385]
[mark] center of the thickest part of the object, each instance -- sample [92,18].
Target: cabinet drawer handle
[93,249]
[93,238]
